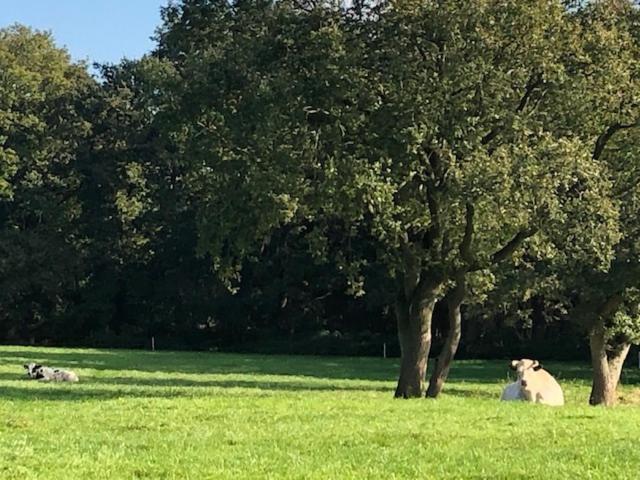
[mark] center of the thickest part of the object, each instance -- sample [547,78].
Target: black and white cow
[48,374]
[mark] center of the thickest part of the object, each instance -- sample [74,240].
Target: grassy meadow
[170,415]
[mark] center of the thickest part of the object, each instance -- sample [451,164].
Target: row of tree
[417,156]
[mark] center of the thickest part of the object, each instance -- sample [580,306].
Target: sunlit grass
[197,415]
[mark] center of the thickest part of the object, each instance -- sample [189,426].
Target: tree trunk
[450,347]
[607,367]
[414,333]
[538,321]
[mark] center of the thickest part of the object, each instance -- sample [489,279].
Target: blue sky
[101,31]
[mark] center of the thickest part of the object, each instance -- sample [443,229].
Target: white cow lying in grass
[534,384]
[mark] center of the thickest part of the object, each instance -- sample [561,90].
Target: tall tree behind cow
[422,125]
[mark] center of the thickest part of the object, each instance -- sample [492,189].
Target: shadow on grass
[13,377]
[182,388]
[338,368]
[76,393]
[258,384]
[208,363]
[124,387]
[470,393]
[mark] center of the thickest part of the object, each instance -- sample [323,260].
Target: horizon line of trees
[310,176]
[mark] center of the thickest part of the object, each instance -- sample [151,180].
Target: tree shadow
[209,363]
[165,363]
[14,376]
[457,391]
[258,384]
[76,393]
[126,387]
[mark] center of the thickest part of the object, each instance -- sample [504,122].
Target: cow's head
[524,368]
[32,369]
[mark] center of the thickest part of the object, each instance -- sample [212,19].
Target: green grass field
[169,415]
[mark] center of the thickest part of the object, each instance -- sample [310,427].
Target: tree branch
[434,164]
[506,251]
[434,161]
[467,239]
[456,295]
[534,82]
[604,138]
[491,135]
[419,49]
[428,286]
[305,5]
[411,273]
[610,306]
[433,232]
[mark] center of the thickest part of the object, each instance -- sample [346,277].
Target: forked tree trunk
[607,367]
[450,347]
[414,333]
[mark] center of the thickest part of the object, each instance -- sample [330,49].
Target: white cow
[535,384]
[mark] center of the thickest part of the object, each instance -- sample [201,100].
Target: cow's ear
[26,366]
[537,366]
[513,365]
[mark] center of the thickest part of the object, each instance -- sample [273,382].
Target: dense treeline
[309,177]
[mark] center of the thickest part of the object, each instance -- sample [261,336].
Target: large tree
[42,124]
[422,125]
[598,105]
[602,107]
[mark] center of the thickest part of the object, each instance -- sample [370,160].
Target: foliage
[427,139]
[41,129]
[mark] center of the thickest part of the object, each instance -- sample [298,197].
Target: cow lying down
[534,384]
[47,374]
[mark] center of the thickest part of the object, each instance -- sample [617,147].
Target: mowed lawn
[177,415]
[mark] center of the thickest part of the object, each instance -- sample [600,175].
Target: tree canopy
[430,128]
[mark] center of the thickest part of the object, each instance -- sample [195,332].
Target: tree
[41,126]
[138,218]
[602,106]
[421,125]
